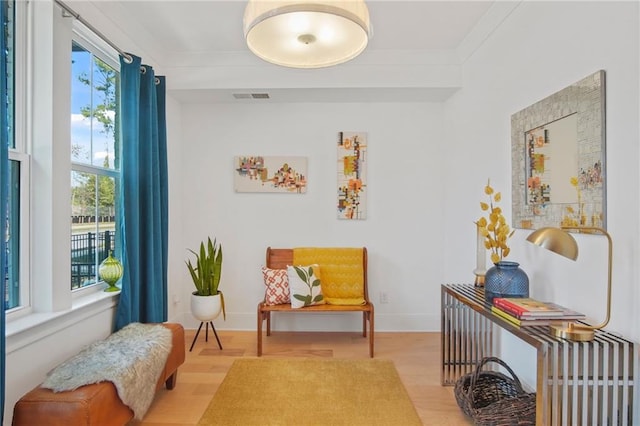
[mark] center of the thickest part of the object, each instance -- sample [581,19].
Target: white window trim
[21,154]
[28,323]
[95,44]
[98,47]
[24,307]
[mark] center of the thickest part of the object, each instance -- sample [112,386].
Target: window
[57,105]
[95,161]
[17,289]
[12,273]
[17,272]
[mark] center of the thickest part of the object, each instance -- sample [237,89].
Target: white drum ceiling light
[307,34]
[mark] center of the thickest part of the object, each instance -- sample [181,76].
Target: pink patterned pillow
[276,282]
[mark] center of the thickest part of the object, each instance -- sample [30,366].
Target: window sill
[32,327]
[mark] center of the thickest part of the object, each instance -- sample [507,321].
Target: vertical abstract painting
[352,175]
[270,174]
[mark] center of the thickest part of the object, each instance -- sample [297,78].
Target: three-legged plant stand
[206,338]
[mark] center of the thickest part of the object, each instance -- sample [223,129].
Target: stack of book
[528,311]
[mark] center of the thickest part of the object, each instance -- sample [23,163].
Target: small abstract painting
[270,174]
[352,175]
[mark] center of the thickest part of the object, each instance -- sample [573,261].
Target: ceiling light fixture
[307,33]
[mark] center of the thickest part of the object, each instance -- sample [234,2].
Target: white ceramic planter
[205,308]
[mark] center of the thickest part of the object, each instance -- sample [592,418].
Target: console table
[577,383]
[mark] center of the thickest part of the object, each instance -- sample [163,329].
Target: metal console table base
[577,383]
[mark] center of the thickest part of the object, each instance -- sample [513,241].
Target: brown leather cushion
[96,404]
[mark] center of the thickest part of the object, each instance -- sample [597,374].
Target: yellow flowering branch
[495,230]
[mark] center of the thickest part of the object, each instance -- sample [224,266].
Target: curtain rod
[77,16]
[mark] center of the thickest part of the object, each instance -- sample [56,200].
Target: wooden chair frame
[279,258]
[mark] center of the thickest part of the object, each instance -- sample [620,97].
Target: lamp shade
[556,240]
[306,34]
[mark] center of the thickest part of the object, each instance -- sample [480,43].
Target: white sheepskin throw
[132,358]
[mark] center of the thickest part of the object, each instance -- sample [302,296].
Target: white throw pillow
[304,285]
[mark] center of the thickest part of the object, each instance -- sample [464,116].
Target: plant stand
[206,338]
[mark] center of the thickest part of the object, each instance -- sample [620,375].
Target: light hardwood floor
[415,355]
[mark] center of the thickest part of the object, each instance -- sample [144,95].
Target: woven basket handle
[487,360]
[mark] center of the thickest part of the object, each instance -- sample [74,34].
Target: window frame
[24,302]
[43,84]
[92,43]
[19,152]
[26,124]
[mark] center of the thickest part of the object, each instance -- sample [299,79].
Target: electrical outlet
[384,297]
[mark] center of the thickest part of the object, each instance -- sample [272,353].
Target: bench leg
[170,383]
[364,324]
[268,315]
[371,335]
[368,316]
[260,317]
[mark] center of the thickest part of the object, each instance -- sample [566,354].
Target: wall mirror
[558,158]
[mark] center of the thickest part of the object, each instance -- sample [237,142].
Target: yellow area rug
[261,392]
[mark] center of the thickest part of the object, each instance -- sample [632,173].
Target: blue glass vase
[505,279]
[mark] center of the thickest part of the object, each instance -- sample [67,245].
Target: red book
[528,307]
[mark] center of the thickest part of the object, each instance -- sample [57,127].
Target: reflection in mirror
[558,158]
[552,156]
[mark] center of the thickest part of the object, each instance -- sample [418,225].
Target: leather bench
[92,405]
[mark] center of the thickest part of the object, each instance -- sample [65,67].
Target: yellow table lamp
[561,242]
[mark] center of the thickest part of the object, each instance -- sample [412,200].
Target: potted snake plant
[207,301]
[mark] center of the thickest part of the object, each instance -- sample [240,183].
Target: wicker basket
[491,398]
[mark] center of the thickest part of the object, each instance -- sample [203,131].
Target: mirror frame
[586,98]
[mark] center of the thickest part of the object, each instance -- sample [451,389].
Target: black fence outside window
[87,251]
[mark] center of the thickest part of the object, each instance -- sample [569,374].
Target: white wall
[403,230]
[174,169]
[540,49]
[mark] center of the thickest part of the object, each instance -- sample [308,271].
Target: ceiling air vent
[251,96]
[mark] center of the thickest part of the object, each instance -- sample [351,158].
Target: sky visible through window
[91,140]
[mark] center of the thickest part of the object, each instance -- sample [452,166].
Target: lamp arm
[592,229]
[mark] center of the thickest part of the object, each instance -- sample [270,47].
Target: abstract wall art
[352,175]
[270,174]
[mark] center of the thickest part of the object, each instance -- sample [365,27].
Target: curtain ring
[157,80]
[143,70]
[127,58]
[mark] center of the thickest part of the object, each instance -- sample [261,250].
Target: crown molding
[490,22]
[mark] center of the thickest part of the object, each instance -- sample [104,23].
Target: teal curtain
[4,192]
[143,218]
